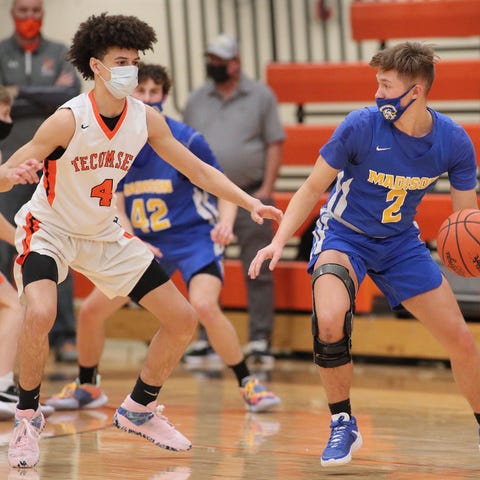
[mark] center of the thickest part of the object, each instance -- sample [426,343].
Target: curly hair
[157,73]
[100,32]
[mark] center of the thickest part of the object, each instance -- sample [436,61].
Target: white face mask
[123,80]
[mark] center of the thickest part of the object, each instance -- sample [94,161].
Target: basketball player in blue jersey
[187,232]
[71,221]
[384,160]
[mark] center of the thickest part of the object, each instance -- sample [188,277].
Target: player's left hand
[222,234]
[261,211]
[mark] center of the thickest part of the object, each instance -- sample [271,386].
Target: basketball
[458,243]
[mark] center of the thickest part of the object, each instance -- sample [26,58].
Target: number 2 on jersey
[391,213]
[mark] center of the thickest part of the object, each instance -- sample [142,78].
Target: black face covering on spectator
[218,73]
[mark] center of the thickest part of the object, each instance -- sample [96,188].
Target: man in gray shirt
[239,119]
[35,72]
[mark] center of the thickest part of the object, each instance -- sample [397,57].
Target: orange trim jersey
[76,194]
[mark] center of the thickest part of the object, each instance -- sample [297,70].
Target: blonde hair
[5,96]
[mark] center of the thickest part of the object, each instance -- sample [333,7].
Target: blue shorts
[401,266]
[190,257]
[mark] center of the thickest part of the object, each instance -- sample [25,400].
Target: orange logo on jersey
[108,159]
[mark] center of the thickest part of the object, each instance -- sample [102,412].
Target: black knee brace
[37,266]
[153,277]
[330,355]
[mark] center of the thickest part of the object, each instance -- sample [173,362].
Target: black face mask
[5,129]
[218,73]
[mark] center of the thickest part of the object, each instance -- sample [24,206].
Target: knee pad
[330,355]
[37,266]
[153,277]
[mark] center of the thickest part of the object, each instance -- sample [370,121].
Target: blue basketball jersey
[162,204]
[385,173]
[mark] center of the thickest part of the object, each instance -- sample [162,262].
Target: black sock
[477,416]
[143,393]
[340,407]
[87,374]
[28,399]
[241,371]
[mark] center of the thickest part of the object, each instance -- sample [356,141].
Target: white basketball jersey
[76,193]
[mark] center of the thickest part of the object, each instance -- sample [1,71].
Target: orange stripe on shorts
[31,226]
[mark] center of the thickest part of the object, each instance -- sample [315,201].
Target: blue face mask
[157,105]
[391,109]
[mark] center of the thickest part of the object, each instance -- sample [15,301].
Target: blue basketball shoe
[344,440]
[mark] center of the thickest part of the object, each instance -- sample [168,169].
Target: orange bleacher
[343,82]
[383,20]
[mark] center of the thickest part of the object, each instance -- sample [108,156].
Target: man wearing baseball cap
[224,46]
[239,118]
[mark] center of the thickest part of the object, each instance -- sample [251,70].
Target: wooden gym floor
[414,423]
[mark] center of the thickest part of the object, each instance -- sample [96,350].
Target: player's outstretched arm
[200,173]
[23,166]
[300,205]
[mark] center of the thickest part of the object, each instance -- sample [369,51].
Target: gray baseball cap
[224,46]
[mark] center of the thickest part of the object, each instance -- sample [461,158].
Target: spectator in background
[239,119]
[38,77]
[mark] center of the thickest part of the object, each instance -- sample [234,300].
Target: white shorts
[114,267]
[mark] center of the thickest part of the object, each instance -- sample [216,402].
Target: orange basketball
[458,242]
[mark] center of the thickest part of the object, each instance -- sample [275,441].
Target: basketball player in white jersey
[88,145]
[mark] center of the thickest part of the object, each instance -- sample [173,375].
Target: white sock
[6,381]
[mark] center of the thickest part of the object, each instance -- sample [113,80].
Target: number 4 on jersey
[103,191]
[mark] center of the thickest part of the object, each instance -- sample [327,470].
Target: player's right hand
[26,172]
[270,251]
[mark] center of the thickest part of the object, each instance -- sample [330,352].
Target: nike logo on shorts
[382,149]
